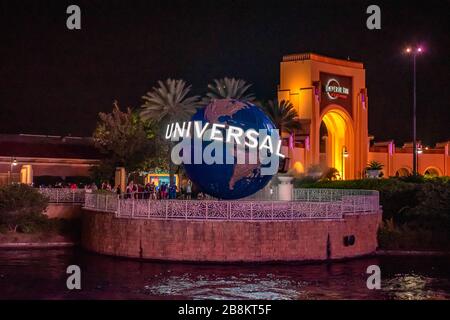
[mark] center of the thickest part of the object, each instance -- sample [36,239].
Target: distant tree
[126,140]
[167,103]
[104,171]
[283,115]
[229,88]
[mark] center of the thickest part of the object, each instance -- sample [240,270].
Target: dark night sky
[55,81]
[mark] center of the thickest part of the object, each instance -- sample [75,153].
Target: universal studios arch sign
[226,144]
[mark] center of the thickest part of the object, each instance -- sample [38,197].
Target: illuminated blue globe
[230,181]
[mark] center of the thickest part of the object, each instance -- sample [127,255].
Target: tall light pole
[414,52]
[344,156]
[13,164]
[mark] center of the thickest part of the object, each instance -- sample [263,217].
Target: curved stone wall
[63,210]
[230,241]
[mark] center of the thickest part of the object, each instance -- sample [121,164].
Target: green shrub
[330,174]
[433,208]
[21,206]
[408,237]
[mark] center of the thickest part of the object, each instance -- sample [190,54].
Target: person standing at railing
[188,190]
[129,190]
[140,191]
[173,191]
[163,190]
[135,191]
[147,191]
[152,191]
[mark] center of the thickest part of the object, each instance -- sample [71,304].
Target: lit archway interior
[335,136]
[432,172]
[402,172]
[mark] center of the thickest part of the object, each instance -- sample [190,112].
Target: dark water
[41,274]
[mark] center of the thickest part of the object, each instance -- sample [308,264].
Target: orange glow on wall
[298,167]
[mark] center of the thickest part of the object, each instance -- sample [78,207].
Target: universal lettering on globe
[229,149]
[233,135]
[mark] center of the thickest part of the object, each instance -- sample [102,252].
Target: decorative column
[120,178]
[285,188]
[26,174]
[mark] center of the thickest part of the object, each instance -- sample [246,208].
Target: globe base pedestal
[285,188]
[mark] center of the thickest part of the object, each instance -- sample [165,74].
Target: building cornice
[320,58]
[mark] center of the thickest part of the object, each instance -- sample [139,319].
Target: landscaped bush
[21,207]
[412,237]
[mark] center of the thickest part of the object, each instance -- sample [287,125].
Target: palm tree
[283,115]
[229,88]
[169,102]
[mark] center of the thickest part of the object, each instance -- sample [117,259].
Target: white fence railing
[64,195]
[318,206]
[102,202]
[319,194]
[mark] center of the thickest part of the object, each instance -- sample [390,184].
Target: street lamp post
[414,52]
[13,164]
[344,156]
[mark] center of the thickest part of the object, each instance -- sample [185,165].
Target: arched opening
[403,172]
[432,172]
[336,138]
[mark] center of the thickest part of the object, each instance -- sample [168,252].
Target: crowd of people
[134,190]
[67,185]
[150,191]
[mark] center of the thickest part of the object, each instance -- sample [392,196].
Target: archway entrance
[402,172]
[432,172]
[336,141]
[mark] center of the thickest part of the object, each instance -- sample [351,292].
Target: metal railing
[319,194]
[102,202]
[64,195]
[309,204]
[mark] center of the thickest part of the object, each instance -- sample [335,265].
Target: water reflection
[40,274]
[415,287]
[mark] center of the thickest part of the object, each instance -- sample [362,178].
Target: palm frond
[169,102]
[229,88]
[283,114]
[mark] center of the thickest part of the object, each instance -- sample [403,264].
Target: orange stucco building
[330,96]
[397,161]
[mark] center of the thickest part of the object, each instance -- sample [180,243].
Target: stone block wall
[229,241]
